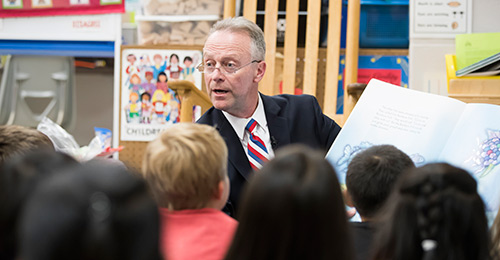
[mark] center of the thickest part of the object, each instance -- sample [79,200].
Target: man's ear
[261,70]
[347,198]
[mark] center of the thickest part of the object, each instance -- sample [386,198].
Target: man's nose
[217,75]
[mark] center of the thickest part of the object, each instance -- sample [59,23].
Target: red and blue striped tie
[257,152]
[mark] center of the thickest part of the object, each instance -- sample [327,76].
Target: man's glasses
[224,68]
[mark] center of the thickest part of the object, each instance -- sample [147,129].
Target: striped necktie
[257,152]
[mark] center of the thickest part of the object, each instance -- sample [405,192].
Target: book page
[418,123]
[474,145]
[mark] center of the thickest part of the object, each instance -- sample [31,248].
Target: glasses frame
[201,68]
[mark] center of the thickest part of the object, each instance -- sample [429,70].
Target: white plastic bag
[64,142]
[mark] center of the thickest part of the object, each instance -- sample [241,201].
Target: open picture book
[427,127]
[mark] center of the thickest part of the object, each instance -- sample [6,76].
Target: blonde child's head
[186,167]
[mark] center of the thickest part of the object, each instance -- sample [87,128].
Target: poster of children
[148,105]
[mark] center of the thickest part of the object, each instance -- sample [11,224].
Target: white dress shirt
[262,131]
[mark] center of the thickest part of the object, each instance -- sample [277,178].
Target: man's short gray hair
[241,24]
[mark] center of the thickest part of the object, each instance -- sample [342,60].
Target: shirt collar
[239,123]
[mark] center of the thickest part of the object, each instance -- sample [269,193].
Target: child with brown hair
[370,178]
[186,168]
[17,140]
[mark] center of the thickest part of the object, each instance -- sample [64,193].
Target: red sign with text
[26,8]
[392,76]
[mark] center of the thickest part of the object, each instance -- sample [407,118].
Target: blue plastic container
[384,24]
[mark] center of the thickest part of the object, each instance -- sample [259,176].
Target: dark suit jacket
[291,119]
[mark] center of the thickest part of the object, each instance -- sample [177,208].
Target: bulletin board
[143,116]
[440,18]
[389,68]
[28,8]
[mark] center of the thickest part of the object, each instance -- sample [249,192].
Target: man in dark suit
[233,65]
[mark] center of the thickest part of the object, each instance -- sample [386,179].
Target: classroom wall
[427,62]
[94,103]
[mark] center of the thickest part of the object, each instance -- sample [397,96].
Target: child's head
[95,211]
[135,79]
[134,96]
[174,59]
[188,61]
[435,212]
[131,58]
[148,75]
[157,58]
[145,97]
[162,77]
[15,140]
[186,167]
[19,176]
[158,96]
[371,175]
[293,209]
[196,58]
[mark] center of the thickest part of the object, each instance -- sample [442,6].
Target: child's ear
[219,191]
[347,198]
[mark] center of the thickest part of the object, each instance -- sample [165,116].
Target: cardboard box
[174,30]
[182,7]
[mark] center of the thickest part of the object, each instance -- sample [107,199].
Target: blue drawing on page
[417,159]
[487,156]
[349,153]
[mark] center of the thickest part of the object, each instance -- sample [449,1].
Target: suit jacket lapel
[236,154]
[278,125]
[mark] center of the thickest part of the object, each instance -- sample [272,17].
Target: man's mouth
[220,91]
